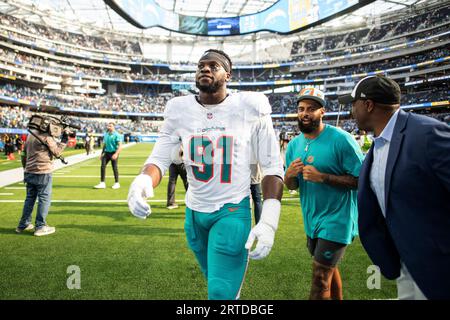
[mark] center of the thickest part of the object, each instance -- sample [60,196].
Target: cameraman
[40,148]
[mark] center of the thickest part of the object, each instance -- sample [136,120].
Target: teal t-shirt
[111,141]
[329,212]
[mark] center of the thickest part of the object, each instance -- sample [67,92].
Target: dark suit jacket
[416,229]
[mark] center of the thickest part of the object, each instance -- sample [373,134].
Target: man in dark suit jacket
[404,191]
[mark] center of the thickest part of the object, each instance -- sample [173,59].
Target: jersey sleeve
[266,148]
[351,155]
[258,103]
[168,141]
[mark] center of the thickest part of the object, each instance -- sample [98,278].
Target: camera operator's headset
[51,125]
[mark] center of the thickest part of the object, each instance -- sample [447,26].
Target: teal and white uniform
[219,145]
[329,212]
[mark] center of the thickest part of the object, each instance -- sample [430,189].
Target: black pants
[174,171]
[257,202]
[326,252]
[87,147]
[9,148]
[107,156]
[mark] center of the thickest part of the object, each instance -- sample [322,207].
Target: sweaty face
[310,114]
[360,114]
[210,76]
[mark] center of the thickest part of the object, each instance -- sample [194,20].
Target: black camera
[55,127]
[51,124]
[66,122]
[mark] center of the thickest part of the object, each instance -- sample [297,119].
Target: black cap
[377,88]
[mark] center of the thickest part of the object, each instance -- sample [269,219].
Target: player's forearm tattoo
[345,181]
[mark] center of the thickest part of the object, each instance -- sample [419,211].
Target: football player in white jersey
[221,134]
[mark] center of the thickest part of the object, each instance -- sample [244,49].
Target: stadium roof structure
[96,14]
[94,17]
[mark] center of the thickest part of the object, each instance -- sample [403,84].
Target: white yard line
[15,188]
[119,165]
[97,176]
[92,176]
[9,177]
[6,194]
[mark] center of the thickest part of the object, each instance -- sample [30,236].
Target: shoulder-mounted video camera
[51,124]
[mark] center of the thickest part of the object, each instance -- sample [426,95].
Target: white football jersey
[219,144]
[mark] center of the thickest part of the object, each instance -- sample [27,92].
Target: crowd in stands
[22,92]
[17,118]
[369,51]
[283,103]
[372,33]
[142,103]
[285,126]
[76,39]
[416,22]
[135,103]
[313,47]
[122,126]
[249,76]
[13,117]
[39,64]
[372,66]
[434,94]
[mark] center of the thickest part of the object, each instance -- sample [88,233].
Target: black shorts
[325,252]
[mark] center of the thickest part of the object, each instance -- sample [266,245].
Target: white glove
[140,189]
[264,231]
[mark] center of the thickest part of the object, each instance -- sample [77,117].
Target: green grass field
[121,257]
[6,164]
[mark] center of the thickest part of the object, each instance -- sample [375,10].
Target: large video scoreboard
[285,16]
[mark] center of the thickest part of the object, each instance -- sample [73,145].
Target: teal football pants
[218,241]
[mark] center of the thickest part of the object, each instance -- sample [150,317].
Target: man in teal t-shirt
[112,145]
[323,163]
